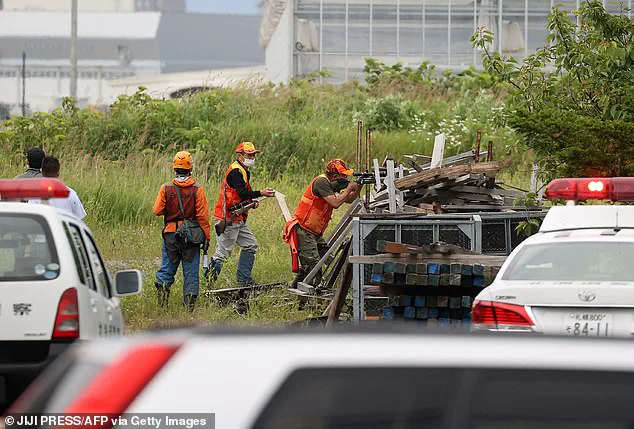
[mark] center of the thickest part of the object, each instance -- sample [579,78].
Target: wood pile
[458,185]
[435,283]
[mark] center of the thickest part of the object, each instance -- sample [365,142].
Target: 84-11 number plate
[588,324]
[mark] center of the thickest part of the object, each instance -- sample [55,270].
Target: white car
[352,380]
[576,275]
[54,286]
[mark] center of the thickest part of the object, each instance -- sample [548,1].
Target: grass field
[117,160]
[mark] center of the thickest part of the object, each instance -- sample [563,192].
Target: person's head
[337,169]
[50,166]
[34,156]
[246,153]
[183,163]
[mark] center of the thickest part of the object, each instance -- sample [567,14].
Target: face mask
[249,162]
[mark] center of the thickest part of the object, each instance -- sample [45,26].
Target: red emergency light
[21,189]
[596,188]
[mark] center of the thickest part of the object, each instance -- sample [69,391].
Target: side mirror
[128,282]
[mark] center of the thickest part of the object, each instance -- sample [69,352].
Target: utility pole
[73,50]
[23,84]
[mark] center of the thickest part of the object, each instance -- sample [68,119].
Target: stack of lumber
[458,185]
[431,283]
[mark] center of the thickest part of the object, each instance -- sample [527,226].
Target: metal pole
[424,17]
[359,143]
[23,84]
[500,25]
[368,138]
[525,28]
[347,36]
[321,39]
[398,29]
[449,32]
[371,23]
[475,28]
[73,49]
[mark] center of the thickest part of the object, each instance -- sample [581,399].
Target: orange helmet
[246,147]
[183,160]
[338,166]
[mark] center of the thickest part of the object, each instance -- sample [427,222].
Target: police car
[576,275]
[389,378]
[54,286]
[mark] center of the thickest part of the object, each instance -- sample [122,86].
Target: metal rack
[488,233]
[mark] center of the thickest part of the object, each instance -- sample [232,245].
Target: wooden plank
[391,189]
[486,260]
[281,203]
[342,226]
[377,175]
[439,151]
[340,294]
[427,177]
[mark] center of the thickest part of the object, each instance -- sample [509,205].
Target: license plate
[579,324]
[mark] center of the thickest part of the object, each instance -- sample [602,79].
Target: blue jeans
[165,275]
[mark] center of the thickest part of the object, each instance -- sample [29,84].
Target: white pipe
[449,32]
[525,28]
[398,29]
[321,39]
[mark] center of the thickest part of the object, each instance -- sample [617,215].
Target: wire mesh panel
[380,232]
[418,235]
[516,238]
[454,235]
[494,237]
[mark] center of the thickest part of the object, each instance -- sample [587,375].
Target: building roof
[113,25]
[169,85]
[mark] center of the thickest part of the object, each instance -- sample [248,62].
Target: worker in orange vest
[236,189]
[178,200]
[325,193]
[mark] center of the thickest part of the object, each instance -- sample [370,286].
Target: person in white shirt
[72,203]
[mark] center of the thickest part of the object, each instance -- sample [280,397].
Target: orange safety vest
[229,197]
[313,213]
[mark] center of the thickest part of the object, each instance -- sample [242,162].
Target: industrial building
[307,36]
[117,39]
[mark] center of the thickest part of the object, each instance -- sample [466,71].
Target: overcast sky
[245,7]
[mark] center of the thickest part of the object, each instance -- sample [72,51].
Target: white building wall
[279,52]
[64,5]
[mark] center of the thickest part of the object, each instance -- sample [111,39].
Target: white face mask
[249,162]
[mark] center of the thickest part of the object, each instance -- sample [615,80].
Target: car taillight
[602,188]
[45,188]
[114,389]
[67,318]
[491,315]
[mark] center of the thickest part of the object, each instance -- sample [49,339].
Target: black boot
[190,302]
[299,277]
[163,294]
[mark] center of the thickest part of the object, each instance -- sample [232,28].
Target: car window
[579,261]
[99,269]
[81,256]
[27,251]
[447,398]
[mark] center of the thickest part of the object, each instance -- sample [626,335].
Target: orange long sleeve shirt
[202,208]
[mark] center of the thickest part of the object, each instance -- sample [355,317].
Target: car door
[91,308]
[113,321]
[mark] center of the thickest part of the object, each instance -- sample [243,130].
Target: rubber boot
[299,277]
[163,294]
[190,302]
[245,266]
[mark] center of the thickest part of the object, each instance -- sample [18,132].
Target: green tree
[573,99]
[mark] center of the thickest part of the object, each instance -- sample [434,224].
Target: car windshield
[26,249]
[579,261]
